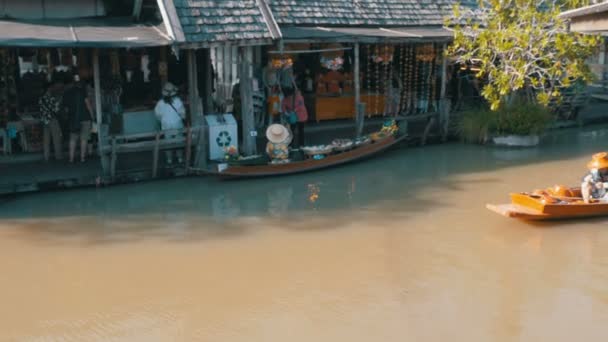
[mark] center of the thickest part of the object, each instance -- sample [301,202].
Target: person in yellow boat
[595,183]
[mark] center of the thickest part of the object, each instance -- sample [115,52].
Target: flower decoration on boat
[332,63]
[231,153]
[390,127]
[283,62]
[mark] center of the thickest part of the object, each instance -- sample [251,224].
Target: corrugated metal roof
[116,32]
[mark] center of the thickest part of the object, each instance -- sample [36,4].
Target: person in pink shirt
[294,102]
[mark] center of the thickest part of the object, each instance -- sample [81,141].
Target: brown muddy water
[399,248]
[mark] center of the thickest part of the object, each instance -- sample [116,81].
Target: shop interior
[394,79]
[131,81]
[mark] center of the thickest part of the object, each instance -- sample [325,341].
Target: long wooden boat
[267,170]
[545,206]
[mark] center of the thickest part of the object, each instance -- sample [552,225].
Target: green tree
[521,46]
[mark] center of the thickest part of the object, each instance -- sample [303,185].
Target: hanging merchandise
[386,84]
[383,55]
[402,78]
[426,53]
[417,85]
[282,62]
[433,85]
[377,83]
[334,64]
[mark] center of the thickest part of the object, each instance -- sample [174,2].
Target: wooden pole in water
[98,114]
[359,115]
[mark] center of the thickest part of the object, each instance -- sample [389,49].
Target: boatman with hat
[595,182]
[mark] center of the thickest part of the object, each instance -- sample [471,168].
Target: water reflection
[398,174]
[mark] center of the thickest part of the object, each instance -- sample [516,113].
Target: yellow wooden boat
[554,203]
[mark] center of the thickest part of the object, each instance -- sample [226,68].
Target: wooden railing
[151,142]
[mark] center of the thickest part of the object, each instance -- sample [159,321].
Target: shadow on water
[390,184]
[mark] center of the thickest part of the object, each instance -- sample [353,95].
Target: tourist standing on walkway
[80,116]
[171,114]
[50,106]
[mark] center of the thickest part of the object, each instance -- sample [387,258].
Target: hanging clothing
[296,105]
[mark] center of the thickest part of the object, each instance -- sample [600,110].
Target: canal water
[398,248]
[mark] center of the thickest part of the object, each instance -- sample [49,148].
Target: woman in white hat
[279,137]
[171,113]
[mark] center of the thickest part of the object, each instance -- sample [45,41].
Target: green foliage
[522,44]
[522,118]
[475,125]
[519,118]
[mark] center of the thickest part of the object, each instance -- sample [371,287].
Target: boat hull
[267,170]
[533,207]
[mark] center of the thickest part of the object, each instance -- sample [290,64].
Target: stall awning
[98,32]
[366,34]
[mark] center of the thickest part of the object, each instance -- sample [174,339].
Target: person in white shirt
[171,114]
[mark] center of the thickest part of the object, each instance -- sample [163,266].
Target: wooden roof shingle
[222,20]
[361,12]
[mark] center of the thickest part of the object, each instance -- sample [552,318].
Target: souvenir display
[319,149]
[332,63]
[342,144]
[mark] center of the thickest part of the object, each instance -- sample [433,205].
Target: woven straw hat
[277,133]
[598,161]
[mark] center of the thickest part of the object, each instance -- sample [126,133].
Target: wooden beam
[208,75]
[359,114]
[444,104]
[590,23]
[137,4]
[98,113]
[155,153]
[247,114]
[193,101]
[164,76]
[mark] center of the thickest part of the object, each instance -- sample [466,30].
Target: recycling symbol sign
[223,139]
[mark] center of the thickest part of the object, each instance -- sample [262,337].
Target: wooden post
[359,114]
[247,115]
[163,66]
[113,159]
[137,4]
[444,104]
[194,101]
[98,114]
[208,74]
[155,153]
